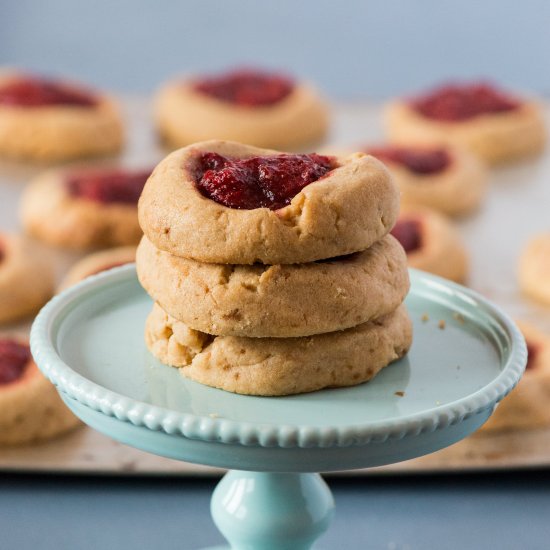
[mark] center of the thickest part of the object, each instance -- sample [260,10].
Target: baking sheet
[517,206]
[86,451]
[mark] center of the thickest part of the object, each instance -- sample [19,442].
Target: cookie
[495,125]
[448,179]
[26,278]
[534,269]
[526,407]
[97,262]
[84,208]
[52,120]
[280,366]
[279,300]
[255,107]
[30,407]
[432,243]
[284,208]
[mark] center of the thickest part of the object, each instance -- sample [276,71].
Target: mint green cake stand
[467,355]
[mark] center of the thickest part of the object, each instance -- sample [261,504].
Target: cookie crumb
[459,317]
[441,324]
[425,318]
[214,415]
[438,402]
[400,393]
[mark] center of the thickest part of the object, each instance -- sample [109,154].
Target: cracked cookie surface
[279,300]
[280,366]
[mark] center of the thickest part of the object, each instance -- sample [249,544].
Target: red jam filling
[258,182]
[14,358]
[38,92]
[409,233]
[108,186]
[419,161]
[2,252]
[456,102]
[246,87]
[532,353]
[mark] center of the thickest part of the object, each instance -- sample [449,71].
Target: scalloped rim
[222,430]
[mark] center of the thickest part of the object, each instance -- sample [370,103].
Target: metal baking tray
[516,207]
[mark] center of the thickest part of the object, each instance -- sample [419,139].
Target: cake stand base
[272,511]
[466,356]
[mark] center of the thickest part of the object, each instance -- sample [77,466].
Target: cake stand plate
[466,356]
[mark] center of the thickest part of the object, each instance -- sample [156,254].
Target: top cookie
[283,209]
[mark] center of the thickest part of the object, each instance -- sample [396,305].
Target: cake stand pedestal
[466,356]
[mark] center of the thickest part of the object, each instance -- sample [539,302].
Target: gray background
[352,48]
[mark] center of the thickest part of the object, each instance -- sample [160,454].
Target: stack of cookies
[272,274]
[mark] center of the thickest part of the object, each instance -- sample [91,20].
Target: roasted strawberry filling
[14,357]
[39,92]
[258,182]
[418,160]
[245,87]
[408,232]
[108,186]
[456,102]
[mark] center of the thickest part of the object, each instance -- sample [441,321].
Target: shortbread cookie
[26,278]
[446,178]
[30,407]
[51,120]
[85,208]
[282,208]
[526,407]
[254,107]
[97,262]
[278,300]
[280,366]
[432,243]
[493,124]
[534,269]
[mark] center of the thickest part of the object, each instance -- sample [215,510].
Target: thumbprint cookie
[496,125]
[49,120]
[260,108]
